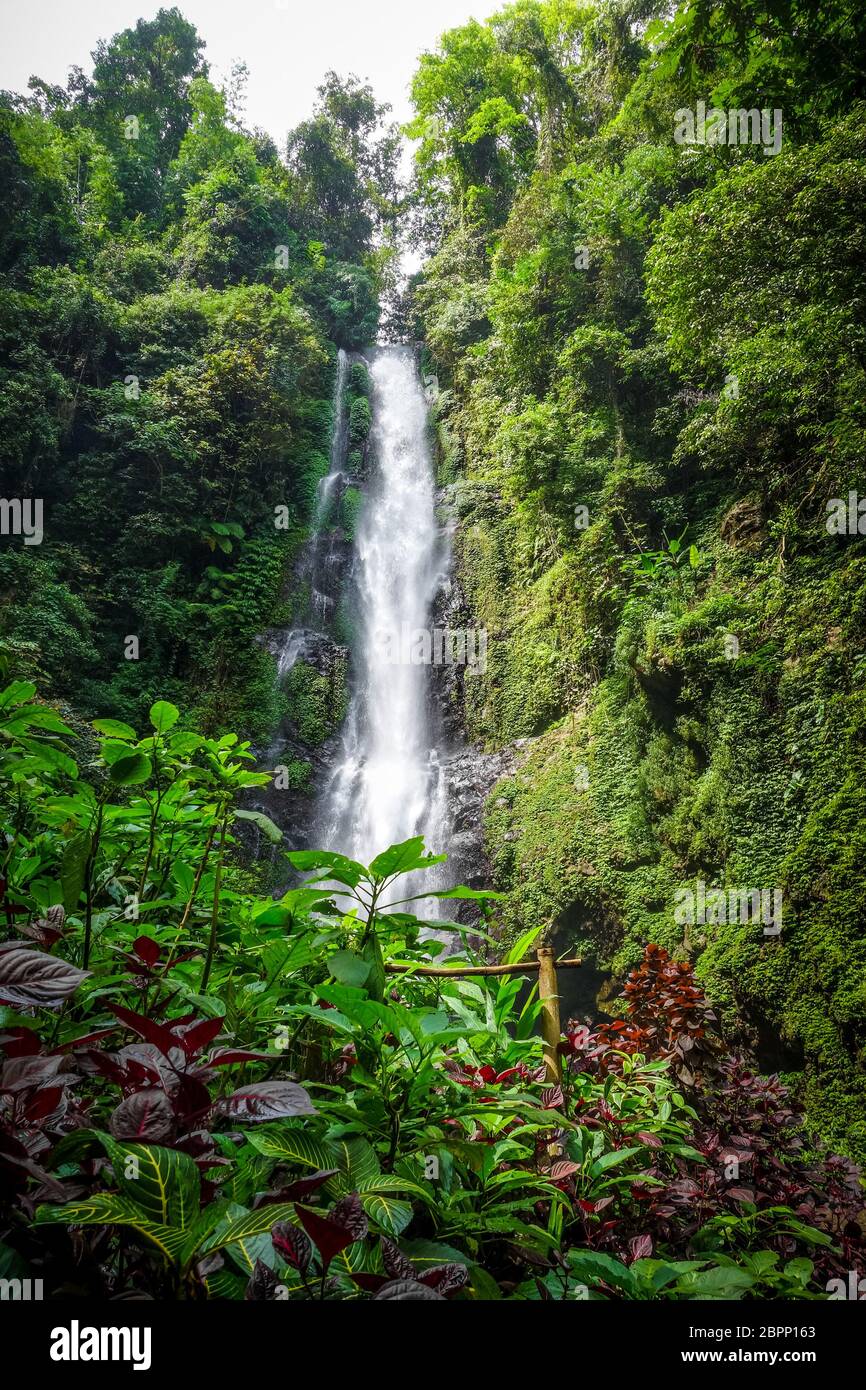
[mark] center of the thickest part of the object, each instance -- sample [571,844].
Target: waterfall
[387,784]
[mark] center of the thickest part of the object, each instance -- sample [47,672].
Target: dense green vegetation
[651,371]
[156,1014]
[172,293]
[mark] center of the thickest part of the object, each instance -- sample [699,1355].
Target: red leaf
[147,949]
[20,1042]
[301,1187]
[145,1115]
[193,1039]
[292,1244]
[445,1279]
[350,1214]
[328,1238]
[406,1291]
[641,1247]
[552,1098]
[32,979]
[395,1263]
[267,1100]
[43,1103]
[161,1037]
[229,1056]
[371,1282]
[652,1141]
[84,1040]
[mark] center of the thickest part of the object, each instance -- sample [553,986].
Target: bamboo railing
[545,964]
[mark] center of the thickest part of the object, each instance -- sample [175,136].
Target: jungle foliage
[205,1093]
[172,293]
[651,371]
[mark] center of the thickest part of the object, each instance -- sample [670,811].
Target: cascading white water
[388,784]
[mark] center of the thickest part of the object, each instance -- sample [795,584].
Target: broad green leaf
[404,858]
[130,771]
[183,876]
[592,1265]
[18,693]
[356,1006]
[72,868]
[719,1283]
[264,823]
[181,745]
[36,717]
[114,728]
[341,869]
[348,968]
[236,1229]
[293,1145]
[163,716]
[610,1160]
[392,1215]
[392,1182]
[163,1183]
[358,1164]
[110,1209]
[371,952]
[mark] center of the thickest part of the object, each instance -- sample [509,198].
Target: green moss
[316,701]
[350,509]
[299,773]
[741,773]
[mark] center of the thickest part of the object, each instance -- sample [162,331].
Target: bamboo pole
[548,993]
[527,967]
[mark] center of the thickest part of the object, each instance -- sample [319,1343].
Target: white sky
[288,45]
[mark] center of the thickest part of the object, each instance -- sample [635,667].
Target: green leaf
[110,1209]
[368,1013]
[265,824]
[392,1215]
[522,945]
[35,717]
[114,728]
[18,693]
[610,1160]
[799,1269]
[163,1183]
[722,1282]
[294,1145]
[163,716]
[341,869]
[183,876]
[72,868]
[348,968]
[182,744]
[236,1229]
[371,953]
[591,1265]
[359,1166]
[404,858]
[130,771]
